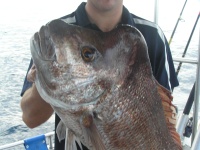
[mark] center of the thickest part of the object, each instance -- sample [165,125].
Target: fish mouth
[42,45]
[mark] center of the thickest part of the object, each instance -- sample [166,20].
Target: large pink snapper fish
[101,86]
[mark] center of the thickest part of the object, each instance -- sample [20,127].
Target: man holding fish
[101,16]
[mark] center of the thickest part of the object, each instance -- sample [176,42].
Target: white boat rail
[185,60]
[196,99]
[48,136]
[195,144]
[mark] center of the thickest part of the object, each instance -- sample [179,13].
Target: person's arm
[35,110]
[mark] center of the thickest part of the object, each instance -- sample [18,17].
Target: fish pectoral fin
[61,131]
[70,143]
[92,133]
[70,138]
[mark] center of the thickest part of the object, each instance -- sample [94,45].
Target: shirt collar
[81,15]
[127,17]
[82,18]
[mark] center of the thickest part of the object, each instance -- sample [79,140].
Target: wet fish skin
[101,86]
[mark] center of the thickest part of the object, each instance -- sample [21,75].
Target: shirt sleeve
[27,84]
[172,73]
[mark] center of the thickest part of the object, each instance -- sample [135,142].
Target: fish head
[76,66]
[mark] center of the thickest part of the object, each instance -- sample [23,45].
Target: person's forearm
[35,110]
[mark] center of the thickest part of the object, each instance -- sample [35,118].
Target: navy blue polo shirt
[158,49]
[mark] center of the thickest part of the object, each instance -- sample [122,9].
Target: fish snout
[43,44]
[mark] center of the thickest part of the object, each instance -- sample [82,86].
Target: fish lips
[42,45]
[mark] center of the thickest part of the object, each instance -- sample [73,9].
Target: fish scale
[108,98]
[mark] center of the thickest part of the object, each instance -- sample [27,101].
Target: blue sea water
[20,19]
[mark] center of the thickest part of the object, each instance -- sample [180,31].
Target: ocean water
[19,20]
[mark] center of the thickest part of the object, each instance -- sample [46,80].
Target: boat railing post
[196,143]
[50,143]
[196,97]
[180,126]
[49,136]
[156,3]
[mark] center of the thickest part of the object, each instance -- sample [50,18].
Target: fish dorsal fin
[61,131]
[170,113]
[92,132]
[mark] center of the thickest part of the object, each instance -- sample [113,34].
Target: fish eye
[88,53]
